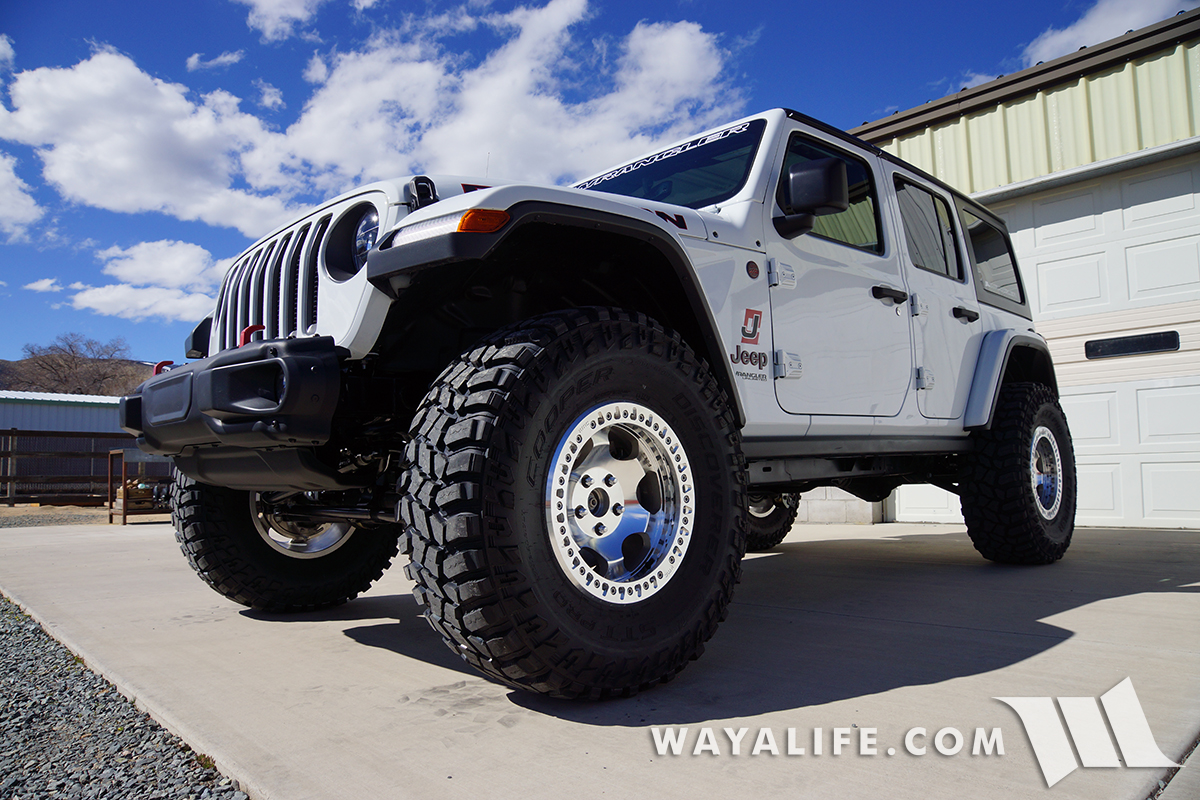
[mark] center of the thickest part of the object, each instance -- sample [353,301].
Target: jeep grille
[274,284]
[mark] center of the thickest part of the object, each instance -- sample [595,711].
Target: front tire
[239,549]
[1018,490]
[522,451]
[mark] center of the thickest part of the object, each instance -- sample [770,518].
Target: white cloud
[363,5]
[1106,20]
[269,97]
[317,70]
[169,264]
[18,209]
[113,137]
[969,80]
[7,54]
[540,106]
[404,103]
[167,279]
[143,302]
[196,60]
[277,19]
[44,285]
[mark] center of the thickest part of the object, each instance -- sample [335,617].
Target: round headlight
[365,237]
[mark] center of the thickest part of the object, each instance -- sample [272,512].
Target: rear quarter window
[993,265]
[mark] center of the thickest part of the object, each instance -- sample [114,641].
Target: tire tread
[997,501]
[464,565]
[214,531]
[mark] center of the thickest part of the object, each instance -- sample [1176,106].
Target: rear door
[945,315]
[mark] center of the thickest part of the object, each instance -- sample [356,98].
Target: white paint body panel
[1116,256]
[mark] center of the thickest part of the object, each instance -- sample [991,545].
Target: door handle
[965,313]
[880,292]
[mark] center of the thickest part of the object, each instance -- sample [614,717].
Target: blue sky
[144,144]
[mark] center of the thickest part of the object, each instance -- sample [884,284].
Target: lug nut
[587,481]
[600,529]
[610,480]
[616,509]
[580,512]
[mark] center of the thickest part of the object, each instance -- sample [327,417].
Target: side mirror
[811,189]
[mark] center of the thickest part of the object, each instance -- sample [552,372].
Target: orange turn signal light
[482,220]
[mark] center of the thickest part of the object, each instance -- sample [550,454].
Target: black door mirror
[811,189]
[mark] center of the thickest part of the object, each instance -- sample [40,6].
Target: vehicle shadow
[815,622]
[404,630]
[822,621]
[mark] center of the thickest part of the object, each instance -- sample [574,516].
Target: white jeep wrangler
[574,408]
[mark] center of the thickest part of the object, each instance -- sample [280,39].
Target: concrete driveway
[844,629]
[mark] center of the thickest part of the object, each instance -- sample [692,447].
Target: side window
[858,225]
[995,270]
[929,230]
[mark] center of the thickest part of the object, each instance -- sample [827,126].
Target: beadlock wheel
[1045,472]
[619,502]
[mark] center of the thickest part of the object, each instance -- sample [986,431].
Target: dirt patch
[30,516]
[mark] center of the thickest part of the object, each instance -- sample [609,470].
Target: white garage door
[1114,262]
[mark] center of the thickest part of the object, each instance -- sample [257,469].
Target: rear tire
[769,520]
[1018,489]
[239,554]
[575,500]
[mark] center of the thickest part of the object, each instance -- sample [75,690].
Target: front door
[844,316]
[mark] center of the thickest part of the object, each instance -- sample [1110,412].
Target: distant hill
[73,374]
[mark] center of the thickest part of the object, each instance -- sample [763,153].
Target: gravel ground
[65,732]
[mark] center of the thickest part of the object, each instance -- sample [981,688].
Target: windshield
[695,174]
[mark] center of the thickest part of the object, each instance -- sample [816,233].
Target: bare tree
[75,364]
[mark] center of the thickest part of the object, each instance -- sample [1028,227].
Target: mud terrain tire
[1018,490]
[215,529]
[769,520]
[591,409]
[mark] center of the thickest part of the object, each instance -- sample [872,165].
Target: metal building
[54,447]
[1093,160]
[43,411]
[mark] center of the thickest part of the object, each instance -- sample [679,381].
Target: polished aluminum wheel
[761,505]
[297,539]
[1045,472]
[619,502]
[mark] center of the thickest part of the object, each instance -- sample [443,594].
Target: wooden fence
[62,467]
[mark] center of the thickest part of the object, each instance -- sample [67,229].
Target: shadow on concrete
[404,630]
[371,607]
[818,622]
[410,636]
[821,621]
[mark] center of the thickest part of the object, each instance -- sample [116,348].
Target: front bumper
[247,418]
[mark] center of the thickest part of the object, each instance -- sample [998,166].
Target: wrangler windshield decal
[699,173]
